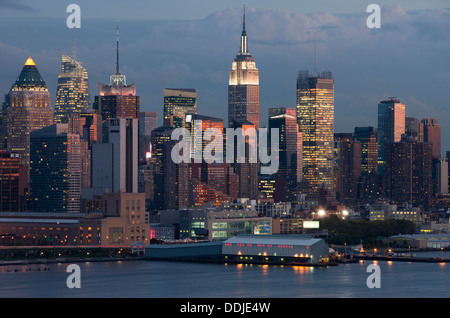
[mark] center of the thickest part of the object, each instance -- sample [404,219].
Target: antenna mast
[117,58]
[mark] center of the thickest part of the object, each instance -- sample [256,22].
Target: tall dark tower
[117,100]
[243,86]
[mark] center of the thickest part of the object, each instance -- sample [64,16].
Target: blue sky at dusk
[191,44]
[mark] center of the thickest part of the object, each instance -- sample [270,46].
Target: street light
[321,212]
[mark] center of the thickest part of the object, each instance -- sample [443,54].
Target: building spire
[244,44]
[117,57]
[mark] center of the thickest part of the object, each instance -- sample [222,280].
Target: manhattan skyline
[406,58]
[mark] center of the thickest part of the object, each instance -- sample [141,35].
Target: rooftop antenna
[315,53]
[117,58]
[243,23]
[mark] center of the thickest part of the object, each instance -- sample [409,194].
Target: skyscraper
[348,167]
[147,122]
[55,174]
[315,116]
[409,172]
[243,86]
[391,127]
[9,182]
[432,134]
[26,109]
[72,92]
[178,102]
[414,129]
[369,148]
[115,161]
[290,149]
[117,100]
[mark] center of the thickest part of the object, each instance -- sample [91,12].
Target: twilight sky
[191,44]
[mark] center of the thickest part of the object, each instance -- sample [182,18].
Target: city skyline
[209,79]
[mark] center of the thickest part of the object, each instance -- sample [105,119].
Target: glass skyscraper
[315,117]
[72,93]
[391,127]
[179,102]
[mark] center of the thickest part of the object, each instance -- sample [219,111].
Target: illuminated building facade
[26,109]
[369,148]
[9,182]
[72,92]
[432,134]
[315,116]
[179,102]
[409,172]
[348,169]
[55,174]
[243,86]
[391,127]
[117,100]
[290,149]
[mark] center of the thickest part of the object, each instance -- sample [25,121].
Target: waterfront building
[243,86]
[315,116]
[124,219]
[26,108]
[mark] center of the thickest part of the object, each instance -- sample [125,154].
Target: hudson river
[154,279]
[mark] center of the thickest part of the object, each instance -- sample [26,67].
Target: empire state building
[243,86]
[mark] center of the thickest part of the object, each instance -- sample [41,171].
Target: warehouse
[280,249]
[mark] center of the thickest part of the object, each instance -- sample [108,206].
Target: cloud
[16,5]
[407,57]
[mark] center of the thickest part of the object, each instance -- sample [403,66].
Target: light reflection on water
[185,280]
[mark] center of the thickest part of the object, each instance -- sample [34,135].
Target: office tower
[9,182]
[26,109]
[409,172]
[178,102]
[243,86]
[414,129]
[115,161]
[92,128]
[197,125]
[171,180]
[349,167]
[245,165]
[212,183]
[147,122]
[367,136]
[315,116]
[55,174]
[72,92]
[391,127]
[432,134]
[440,176]
[290,150]
[118,99]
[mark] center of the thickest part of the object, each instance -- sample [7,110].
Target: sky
[192,43]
